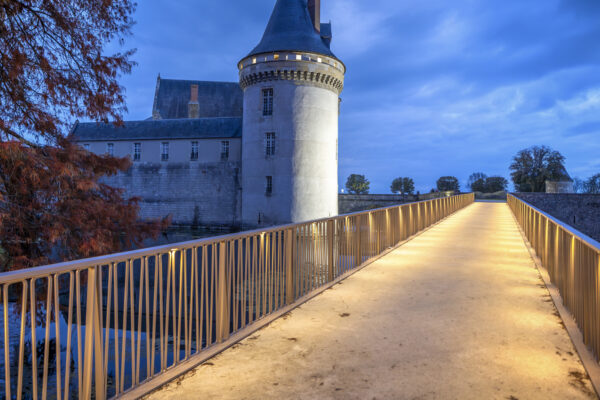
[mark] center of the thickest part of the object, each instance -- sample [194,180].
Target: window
[137,151]
[86,147]
[194,154]
[225,150]
[269,144]
[110,149]
[164,151]
[269,186]
[267,101]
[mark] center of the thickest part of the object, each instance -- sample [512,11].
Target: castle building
[259,152]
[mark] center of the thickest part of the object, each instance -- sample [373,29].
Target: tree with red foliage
[53,70]
[53,206]
[52,66]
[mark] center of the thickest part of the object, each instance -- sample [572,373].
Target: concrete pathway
[459,312]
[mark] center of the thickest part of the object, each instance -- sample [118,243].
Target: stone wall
[349,203]
[203,194]
[581,211]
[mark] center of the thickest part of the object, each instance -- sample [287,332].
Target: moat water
[180,234]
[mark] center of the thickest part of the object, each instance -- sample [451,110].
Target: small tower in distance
[292,83]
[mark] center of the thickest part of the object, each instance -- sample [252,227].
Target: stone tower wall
[305,122]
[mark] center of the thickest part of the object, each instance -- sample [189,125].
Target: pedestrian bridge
[432,300]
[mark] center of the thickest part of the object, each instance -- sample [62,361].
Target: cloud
[433,87]
[357,26]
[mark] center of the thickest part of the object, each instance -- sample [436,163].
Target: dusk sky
[433,87]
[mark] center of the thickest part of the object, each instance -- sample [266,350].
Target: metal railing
[100,327]
[572,260]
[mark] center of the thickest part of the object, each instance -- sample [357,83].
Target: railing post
[222,298]
[289,266]
[330,250]
[358,255]
[93,338]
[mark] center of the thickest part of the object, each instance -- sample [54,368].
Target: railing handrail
[177,302]
[74,265]
[564,226]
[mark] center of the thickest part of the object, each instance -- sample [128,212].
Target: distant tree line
[588,186]
[480,182]
[530,169]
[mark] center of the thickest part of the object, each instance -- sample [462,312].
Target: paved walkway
[459,312]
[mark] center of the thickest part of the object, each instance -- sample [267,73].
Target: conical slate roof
[291,29]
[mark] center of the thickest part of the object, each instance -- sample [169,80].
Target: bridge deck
[459,312]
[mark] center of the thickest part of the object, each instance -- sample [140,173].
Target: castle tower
[292,83]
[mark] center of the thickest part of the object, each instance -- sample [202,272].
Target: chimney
[314,9]
[193,105]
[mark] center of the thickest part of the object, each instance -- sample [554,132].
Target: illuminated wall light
[276,57]
[319,59]
[298,57]
[254,61]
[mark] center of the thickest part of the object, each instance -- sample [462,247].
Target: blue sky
[433,87]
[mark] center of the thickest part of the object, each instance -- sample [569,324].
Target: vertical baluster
[139,320]
[46,341]
[124,328]
[79,337]
[33,319]
[116,333]
[211,292]
[57,338]
[162,318]
[198,294]
[107,324]
[157,287]
[147,344]
[133,363]
[22,340]
[165,337]
[191,300]
[7,384]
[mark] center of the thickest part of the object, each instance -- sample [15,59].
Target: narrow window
[164,151]
[225,150]
[110,149]
[86,147]
[269,186]
[269,144]
[194,155]
[267,101]
[137,151]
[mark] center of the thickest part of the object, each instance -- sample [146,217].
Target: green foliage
[357,184]
[403,186]
[476,178]
[479,185]
[495,184]
[592,185]
[534,166]
[480,182]
[448,183]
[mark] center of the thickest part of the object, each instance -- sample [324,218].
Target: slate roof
[202,128]
[291,29]
[216,99]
